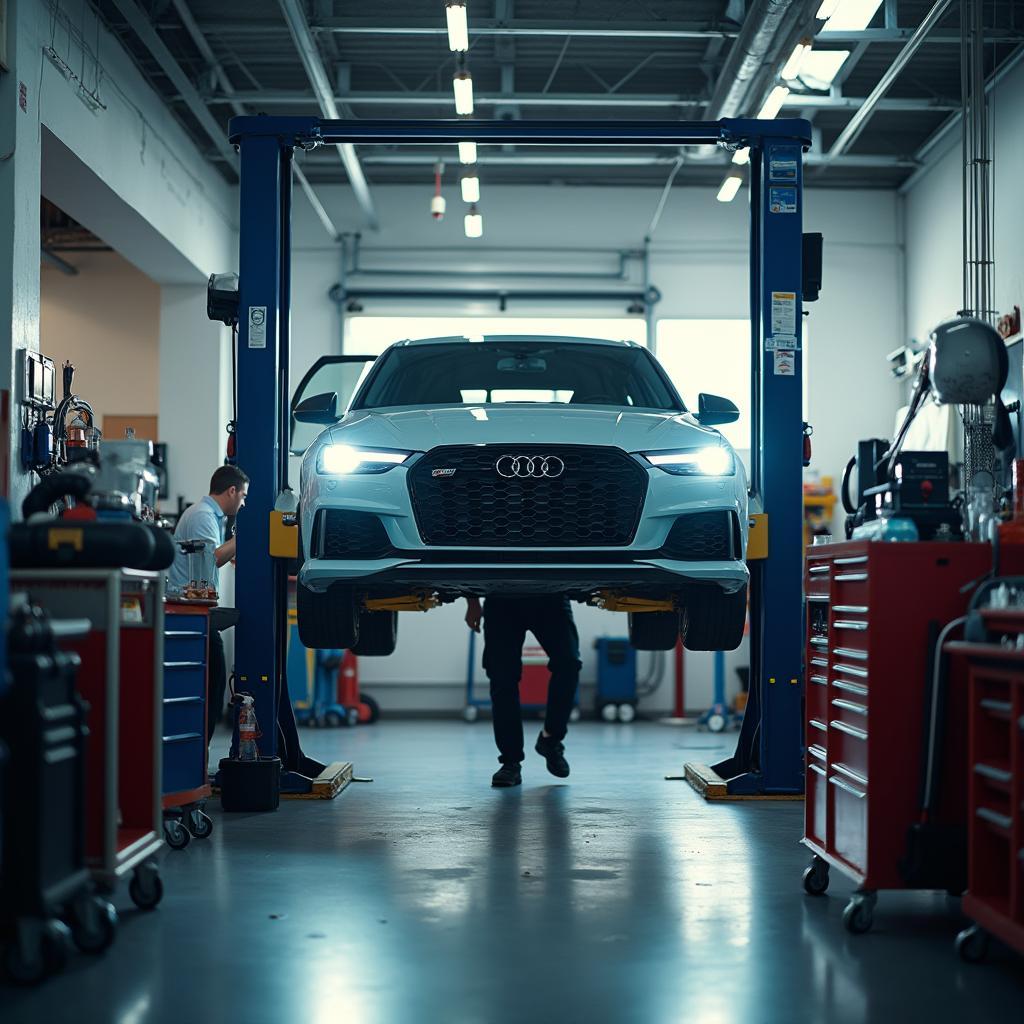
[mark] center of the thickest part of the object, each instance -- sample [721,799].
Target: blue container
[616,671]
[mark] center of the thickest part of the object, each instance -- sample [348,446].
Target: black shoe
[507,775]
[553,752]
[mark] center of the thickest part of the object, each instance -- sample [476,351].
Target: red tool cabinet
[995,829]
[872,609]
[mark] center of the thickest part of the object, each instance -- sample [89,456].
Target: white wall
[933,219]
[699,263]
[125,169]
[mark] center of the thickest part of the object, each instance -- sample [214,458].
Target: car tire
[714,620]
[327,620]
[653,631]
[378,635]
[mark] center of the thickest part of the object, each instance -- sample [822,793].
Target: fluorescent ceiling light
[462,83]
[852,15]
[820,67]
[731,185]
[741,157]
[458,30]
[773,104]
[474,223]
[796,60]
[467,152]
[470,188]
[827,9]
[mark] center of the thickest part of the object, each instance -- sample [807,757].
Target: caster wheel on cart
[176,835]
[609,712]
[39,948]
[93,924]
[859,916]
[200,824]
[372,708]
[470,713]
[145,888]
[816,877]
[626,713]
[574,715]
[972,944]
[333,719]
[352,717]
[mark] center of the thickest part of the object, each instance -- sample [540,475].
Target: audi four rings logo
[530,467]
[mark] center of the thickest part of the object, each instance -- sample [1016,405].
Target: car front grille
[595,501]
[703,537]
[340,533]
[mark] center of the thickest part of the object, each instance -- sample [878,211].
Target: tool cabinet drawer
[184,679]
[849,709]
[848,746]
[817,694]
[184,646]
[816,801]
[817,579]
[849,819]
[850,581]
[184,714]
[184,762]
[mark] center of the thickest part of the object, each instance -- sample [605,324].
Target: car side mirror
[321,409]
[712,411]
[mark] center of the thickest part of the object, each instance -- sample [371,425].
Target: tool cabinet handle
[994,817]
[818,770]
[816,570]
[991,704]
[850,730]
[850,652]
[842,684]
[183,664]
[848,705]
[818,751]
[819,680]
[178,701]
[851,577]
[987,771]
[853,670]
[847,788]
[851,609]
[858,560]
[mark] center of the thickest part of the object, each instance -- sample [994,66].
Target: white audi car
[516,465]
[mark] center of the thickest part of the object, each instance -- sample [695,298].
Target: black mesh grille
[345,534]
[701,537]
[595,502]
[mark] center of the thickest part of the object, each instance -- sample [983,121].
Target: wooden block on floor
[328,784]
[710,785]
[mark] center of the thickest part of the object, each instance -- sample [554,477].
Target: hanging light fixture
[458,30]
[731,185]
[773,104]
[470,187]
[474,223]
[796,60]
[462,83]
[467,152]
[437,203]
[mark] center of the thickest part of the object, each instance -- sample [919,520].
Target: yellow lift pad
[757,542]
[284,535]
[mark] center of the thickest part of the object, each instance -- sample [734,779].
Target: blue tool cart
[615,698]
[186,784]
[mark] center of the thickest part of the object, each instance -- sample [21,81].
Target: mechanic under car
[506,619]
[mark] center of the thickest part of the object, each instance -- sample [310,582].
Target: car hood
[423,429]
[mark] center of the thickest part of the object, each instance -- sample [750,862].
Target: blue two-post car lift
[769,753]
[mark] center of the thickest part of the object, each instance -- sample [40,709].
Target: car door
[337,375]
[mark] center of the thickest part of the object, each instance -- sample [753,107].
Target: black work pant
[506,621]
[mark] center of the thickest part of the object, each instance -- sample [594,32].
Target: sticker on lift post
[781,200]
[785,363]
[257,327]
[783,163]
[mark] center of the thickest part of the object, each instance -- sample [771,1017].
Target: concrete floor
[427,896]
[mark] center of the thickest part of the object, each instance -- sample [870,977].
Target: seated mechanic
[205,520]
[506,619]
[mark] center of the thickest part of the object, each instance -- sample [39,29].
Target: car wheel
[378,634]
[653,631]
[714,620]
[327,620]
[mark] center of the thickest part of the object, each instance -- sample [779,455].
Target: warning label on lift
[783,314]
[782,200]
[257,327]
[783,163]
[780,342]
[785,364]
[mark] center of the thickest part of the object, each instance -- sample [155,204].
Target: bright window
[370,335]
[712,356]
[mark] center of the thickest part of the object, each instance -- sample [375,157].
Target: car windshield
[534,372]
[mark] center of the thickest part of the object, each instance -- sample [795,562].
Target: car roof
[498,339]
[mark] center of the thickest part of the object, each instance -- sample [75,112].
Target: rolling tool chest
[874,612]
[184,749]
[995,827]
[121,679]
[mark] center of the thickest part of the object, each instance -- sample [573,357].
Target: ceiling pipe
[295,16]
[860,119]
[763,23]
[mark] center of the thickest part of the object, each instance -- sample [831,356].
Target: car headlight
[344,460]
[715,460]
